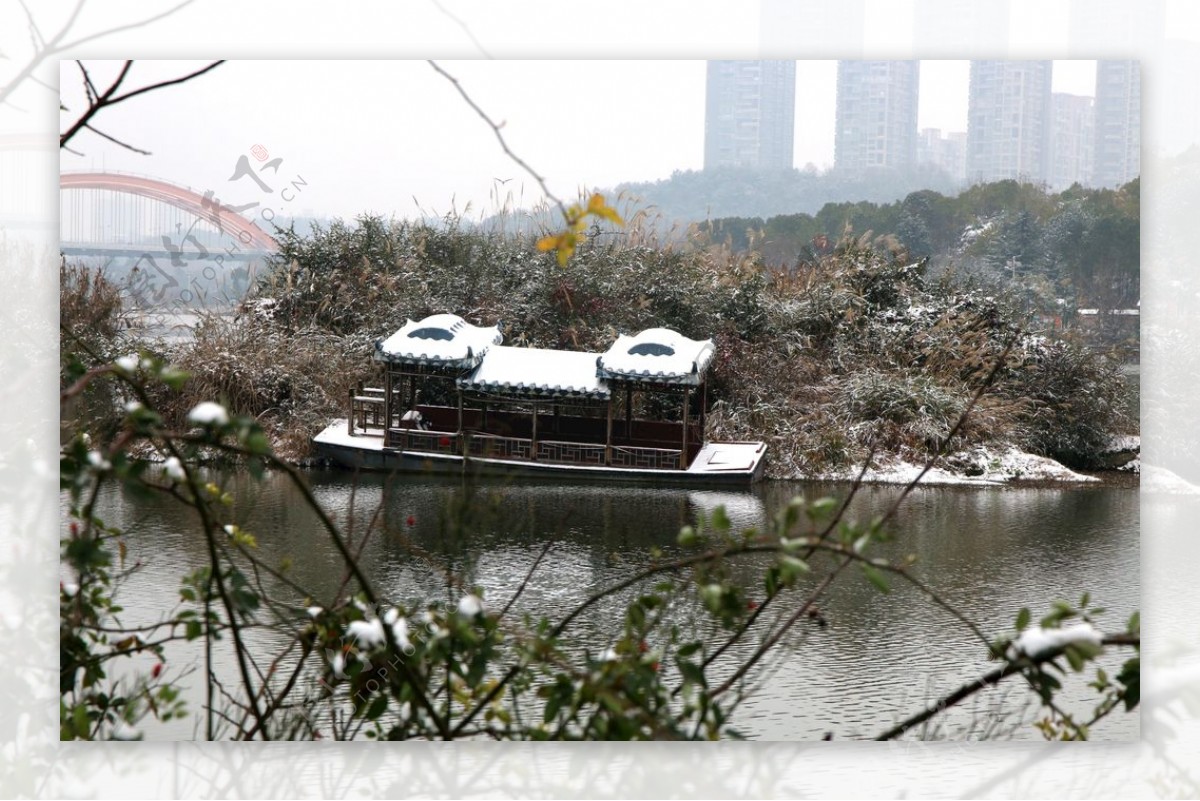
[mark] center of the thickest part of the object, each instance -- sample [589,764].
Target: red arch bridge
[119,214]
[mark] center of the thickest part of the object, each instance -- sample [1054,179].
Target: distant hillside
[1081,245]
[698,195]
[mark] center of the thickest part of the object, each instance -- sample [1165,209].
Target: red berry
[156,670]
[751,605]
[412,521]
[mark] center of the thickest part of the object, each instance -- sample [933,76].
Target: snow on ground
[980,466]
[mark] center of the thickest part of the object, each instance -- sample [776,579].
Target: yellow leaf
[566,247]
[598,207]
[549,242]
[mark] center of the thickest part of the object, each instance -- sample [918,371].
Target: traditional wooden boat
[455,399]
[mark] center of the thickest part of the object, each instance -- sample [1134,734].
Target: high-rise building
[1118,142]
[1008,121]
[1071,139]
[948,153]
[876,115]
[749,116]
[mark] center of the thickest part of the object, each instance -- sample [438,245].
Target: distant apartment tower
[749,116]
[1071,139]
[876,115]
[1008,121]
[1118,126]
[948,153]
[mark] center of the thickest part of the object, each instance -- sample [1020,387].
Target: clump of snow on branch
[208,413]
[1037,642]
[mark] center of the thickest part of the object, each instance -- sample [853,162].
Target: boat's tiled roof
[537,371]
[658,355]
[440,340]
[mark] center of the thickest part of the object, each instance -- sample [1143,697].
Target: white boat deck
[336,434]
[726,457]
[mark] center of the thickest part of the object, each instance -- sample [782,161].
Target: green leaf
[1023,618]
[1074,658]
[1130,678]
[553,704]
[174,377]
[875,577]
[636,616]
[691,672]
[720,520]
[82,724]
[377,707]
[771,580]
[256,468]
[257,442]
[821,508]
[790,568]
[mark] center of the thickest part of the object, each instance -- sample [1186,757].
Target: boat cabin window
[651,349]
[431,333]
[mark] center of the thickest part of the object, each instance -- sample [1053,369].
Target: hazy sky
[394,137]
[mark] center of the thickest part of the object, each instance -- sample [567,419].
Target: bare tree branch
[35,34]
[466,29]
[987,680]
[88,86]
[55,46]
[52,48]
[500,137]
[171,82]
[117,141]
[94,106]
[110,98]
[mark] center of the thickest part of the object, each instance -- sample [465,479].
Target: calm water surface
[881,657]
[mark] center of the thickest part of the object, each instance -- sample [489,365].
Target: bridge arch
[180,197]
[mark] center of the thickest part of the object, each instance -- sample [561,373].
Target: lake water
[988,551]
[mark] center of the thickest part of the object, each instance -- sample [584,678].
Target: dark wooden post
[533,438]
[628,412]
[703,408]
[350,418]
[683,460]
[462,437]
[608,432]
[387,402]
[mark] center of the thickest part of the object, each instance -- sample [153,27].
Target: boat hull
[718,464]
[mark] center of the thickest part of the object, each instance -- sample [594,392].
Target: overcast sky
[394,137]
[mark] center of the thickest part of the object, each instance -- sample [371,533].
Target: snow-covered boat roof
[440,340]
[659,355]
[537,371]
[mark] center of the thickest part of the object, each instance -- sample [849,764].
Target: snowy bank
[979,466]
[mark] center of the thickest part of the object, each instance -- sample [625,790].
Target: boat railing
[415,439]
[570,452]
[647,458]
[494,446]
